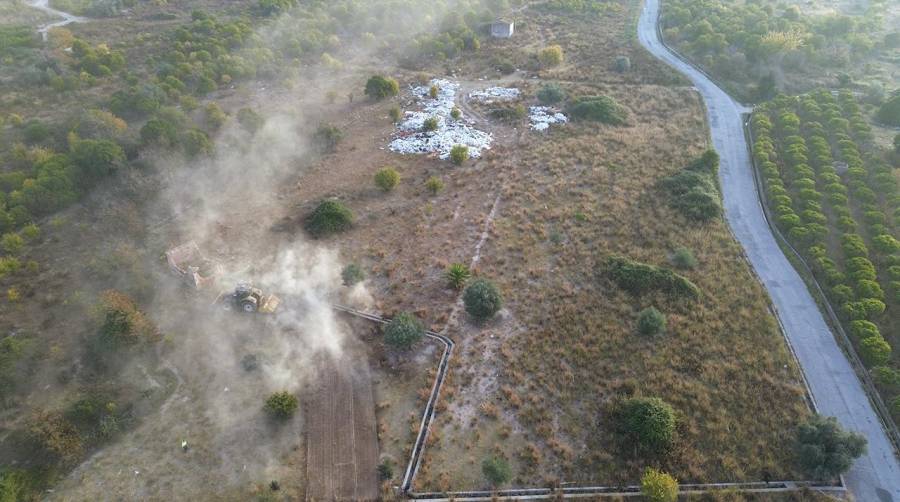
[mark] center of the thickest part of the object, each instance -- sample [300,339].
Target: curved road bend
[835,387]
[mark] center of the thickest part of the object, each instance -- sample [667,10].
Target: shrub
[379,87]
[395,114]
[496,470]
[598,109]
[509,113]
[403,331]
[250,120]
[352,274]
[889,113]
[214,116]
[457,274]
[874,351]
[434,185]
[430,124]
[551,93]
[551,56]
[96,159]
[120,321]
[482,299]
[328,137]
[886,378]
[330,217]
[31,232]
[56,436]
[649,422]
[651,321]
[623,64]
[657,486]
[385,470]
[638,278]
[825,450]
[12,243]
[455,113]
[35,132]
[433,92]
[387,178]
[683,258]
[281,405]
[459,154]
[196,142]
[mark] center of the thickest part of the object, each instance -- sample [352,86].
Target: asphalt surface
[835,387]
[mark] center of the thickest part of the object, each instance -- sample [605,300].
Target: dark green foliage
[693,190]
[136,102]
[482,299]
[874,351]
[329,217]
[459,154]
[598,109]
[35,132]
[509,113]
[639,278]
[889,113]
[96,159]
[385,470]
[379,87]
[496,470]
[14,39]
[281,405]
[387,178]
[403,331]
[651,321]
[195,142]
[272,7]
[649,422]
[551,93]
[825,450]
[250,120]
[457,274]
[352,274]
[159,132]
[430,124]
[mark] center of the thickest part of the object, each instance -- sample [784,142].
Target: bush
[434,185]
[638,278]
[649,422]
[889,113]
[551,93]
[651,321]
[385,470]
[598,109]
[330,217]
[96,159]
[509,113]
[120,321]
[657,486]
[496,470]
[12,243]
[387,178]
[195,142]
[430,124]
[825,450]
[459,154]
[551,56]
[281,405]
[683,258]
[623,64]
[214,116]
[455,113]
[403,331]
[395,114]
[35,132]
[328,137]
[250,120]
[482,299]
[57,437]
[874,351]
[352,274]
[379,87]
[457,274]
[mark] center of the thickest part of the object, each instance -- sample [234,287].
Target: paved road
[835,387]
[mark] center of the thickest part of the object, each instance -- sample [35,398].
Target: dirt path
[835,387]
[342,445]
[44,5]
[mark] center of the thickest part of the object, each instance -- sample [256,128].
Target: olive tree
[649,422]
[482,299]
[825,450]
[281,405]
[379,87]
[403,331]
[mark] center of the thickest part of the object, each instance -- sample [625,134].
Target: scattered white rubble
[495,94]
[410,138]
[542,116]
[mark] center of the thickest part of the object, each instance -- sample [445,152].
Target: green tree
[889,113]
[649,422]
[598,109]
[434,185]
[459,154]
[875,351]
[281,405]
[651,321]
[328,137]
[658,486]
[329,217]
[457,274]
[387,178]
[195,142]
[250,120]
[496,470]
[825,450]
[96,159]
[482,299]
[403,331]
[159,132]
[214,116]
[379,87]
[120,321]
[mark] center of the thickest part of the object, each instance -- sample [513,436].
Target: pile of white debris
[542,116]
[411,138]
[495,94]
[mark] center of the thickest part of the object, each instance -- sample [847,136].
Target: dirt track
[342,445]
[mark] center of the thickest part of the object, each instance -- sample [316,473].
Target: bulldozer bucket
[269,304]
